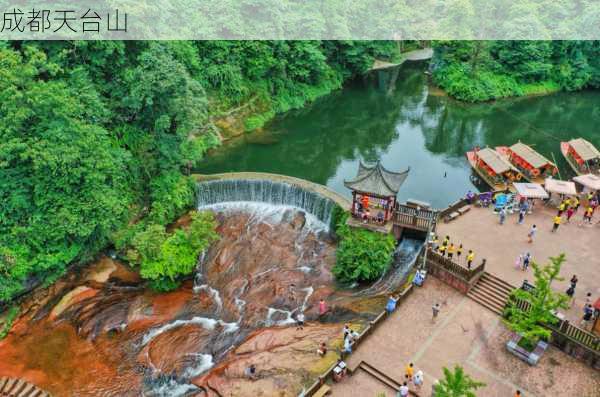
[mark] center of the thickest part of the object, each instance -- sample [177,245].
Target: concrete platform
[466,334]
[480,231]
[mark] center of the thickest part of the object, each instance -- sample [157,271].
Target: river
[408,125]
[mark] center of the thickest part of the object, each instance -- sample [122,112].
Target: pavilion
[374,191]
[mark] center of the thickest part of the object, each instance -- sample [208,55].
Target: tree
[540,304]
[164,259]
[456,384]
[362,255]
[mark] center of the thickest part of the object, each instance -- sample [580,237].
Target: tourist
[409,371]
[470,257]
[391,304]
[322,307]
[435,243]
[380,217]
[446,241]
[570,213]
[519,262]
[403,391]
[574,281]
[531,233]
[459,253]
[588,298]
[346,330]
[442,250]
[518,393]
[436,310]
[561,208]
[418,379]
[557,220]
[576,203]
[570,292]
[299,321]
[250,372]
[521,216]
[502,214]
[322,350]
[526,261]
[451,250]
[354,335]
[348,345]
[587,215]
[588,312]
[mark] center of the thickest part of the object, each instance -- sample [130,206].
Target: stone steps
[11,387]
[491,292]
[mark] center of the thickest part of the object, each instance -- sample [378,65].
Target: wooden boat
[533,166]
[582,156]
[494,169]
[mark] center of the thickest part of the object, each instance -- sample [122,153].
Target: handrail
[453,267]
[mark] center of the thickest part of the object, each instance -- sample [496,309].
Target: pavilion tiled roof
[377,180]
[584,149]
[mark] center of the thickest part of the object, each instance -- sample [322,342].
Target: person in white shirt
[403,392]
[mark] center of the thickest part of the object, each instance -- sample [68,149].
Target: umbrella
[531,190]
[590,181]
[561,187]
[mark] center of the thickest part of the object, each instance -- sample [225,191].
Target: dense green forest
[97,137]
[475,71]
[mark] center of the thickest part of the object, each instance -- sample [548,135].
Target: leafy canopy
[165,258]
[456,383]
[542,302]
[362,255]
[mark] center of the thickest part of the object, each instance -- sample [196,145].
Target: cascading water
[405,256]
[264,191]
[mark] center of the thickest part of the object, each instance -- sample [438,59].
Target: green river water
[407,126]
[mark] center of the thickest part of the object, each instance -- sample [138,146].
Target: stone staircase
[491,292]
[11,387]
[382,377]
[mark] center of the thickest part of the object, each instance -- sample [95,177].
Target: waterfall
[268,192]
[405,256]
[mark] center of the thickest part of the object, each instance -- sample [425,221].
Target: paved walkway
[467,334]
[480,230]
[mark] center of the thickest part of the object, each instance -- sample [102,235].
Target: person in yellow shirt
[561,208]
[442,250]
[410,371]
[459,253]
[587,216]
[470,257]
[576,203]
[451,250]
[557,220]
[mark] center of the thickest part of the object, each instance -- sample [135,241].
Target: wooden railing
[564,329]
[453,267]
[421,219]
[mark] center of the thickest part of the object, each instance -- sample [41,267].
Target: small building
[374,191]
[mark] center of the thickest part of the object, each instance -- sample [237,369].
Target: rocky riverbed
[99,331]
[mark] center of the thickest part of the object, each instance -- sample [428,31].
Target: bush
[7,323]
[362,255]
[164,259]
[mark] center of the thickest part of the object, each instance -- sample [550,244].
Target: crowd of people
[452,251]
[569,207]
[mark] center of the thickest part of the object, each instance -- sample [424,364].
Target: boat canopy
[531,190]
[585,150]
[561,187]
[533,158]
[494,161]
[590,181]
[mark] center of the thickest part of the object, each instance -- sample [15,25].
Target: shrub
[456,384]
[164,259]
[8,320]
[362,255]
[543,301]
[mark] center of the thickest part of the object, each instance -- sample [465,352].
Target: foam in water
[204,362]
[213,293]
[278,194]
[309,291]
[405,256]
[204,322]
[286,321]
